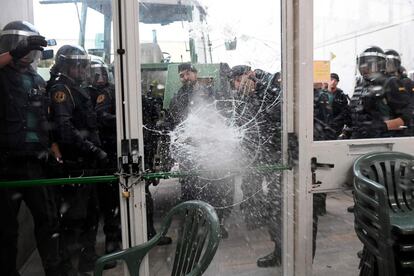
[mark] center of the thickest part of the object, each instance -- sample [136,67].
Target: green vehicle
[159,58]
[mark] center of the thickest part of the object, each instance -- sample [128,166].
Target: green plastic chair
[196,245]
[384,211]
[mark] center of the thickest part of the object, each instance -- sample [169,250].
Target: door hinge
[293,149]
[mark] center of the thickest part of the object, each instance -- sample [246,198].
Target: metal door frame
[297,50]
[302,43]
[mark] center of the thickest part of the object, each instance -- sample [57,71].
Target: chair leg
[368,265]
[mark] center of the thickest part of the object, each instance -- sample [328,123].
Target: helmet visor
[9,39]
[99,75]
[371,63]
[78,67]
[393,64]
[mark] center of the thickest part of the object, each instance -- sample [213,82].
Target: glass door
[212,98]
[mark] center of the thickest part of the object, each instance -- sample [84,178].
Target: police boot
[270,260]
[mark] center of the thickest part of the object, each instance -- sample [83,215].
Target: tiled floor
[337,243]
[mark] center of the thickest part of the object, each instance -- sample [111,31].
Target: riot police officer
[151,110]
[102,94]
[189,97]
[243,83]
[328,105]
[24,147]
[380,105]
[258,93]
[75,130]
[395,69]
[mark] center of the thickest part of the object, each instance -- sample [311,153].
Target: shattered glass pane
[217,130]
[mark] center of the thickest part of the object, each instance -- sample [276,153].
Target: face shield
[77,67]
[99,75]
[392,64]
[371,64]
[9,39]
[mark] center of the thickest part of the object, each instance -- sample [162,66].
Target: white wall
[346,28]
[15,10]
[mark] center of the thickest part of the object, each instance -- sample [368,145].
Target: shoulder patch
[59,97]
[100,98]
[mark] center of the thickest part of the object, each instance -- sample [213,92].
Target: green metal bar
[164,175]
[109,178]
[57,181]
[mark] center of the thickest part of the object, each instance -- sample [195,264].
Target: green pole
[57,181]
[164,175]
[110,178]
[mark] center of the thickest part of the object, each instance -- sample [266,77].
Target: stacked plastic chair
[384,212]
[195,248]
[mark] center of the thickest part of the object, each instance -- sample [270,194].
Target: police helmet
[13,33]
[73,62]
[393,61]
[239,70]
[371,62]
[99,76]
[403,72]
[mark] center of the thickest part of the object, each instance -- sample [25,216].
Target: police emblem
[100,99]
[59,97]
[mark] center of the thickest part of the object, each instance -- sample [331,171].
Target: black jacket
[23,112]
[74,119]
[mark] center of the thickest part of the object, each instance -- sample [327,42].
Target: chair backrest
[196,246]
[392,170]
[383,185]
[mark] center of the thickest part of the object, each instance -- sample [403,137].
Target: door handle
[314,166]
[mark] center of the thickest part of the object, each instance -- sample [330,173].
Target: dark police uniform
[75,130]
[260,208]
[375,101]
[409,88]
[151,109]
[105,107]
[24,142]
[271,155]
[328,107]
[215,192]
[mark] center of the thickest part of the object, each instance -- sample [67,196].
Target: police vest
[368,104]
[23,112]
[74,118]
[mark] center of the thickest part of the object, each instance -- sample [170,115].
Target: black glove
[33,42]
[98,153]
[94,151]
